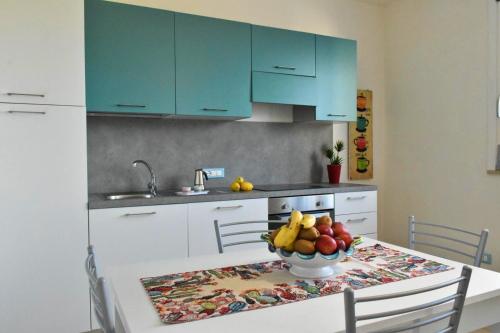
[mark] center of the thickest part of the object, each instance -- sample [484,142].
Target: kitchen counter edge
[98,201]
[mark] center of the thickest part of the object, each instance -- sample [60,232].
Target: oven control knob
[285,206]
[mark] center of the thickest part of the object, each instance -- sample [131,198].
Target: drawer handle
[214,109]
[356,198]
[25,94]
[139,214]
[357,220]
[229,207]
[285,67]
[336,115]
[41,113]
[130,105]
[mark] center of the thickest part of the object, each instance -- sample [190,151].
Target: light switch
[213,173]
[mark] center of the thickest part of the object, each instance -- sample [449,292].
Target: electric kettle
[199,179]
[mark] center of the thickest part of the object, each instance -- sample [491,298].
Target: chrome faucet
[152,186]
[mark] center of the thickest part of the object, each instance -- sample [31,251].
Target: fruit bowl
[313,266]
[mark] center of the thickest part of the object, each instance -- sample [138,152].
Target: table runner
[196,295]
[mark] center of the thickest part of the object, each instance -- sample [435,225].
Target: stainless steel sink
[122,196]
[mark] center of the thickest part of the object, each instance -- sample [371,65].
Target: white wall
[436,119]
[341,18]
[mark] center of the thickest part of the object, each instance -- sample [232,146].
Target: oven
[281,208]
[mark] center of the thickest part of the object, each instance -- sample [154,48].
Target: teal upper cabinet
[283,51]
[129,58]
[336,79]
[213,67]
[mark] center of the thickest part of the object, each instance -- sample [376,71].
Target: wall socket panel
[487,259]
[214,173]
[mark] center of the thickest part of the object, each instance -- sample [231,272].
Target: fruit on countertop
[246,186]
[240,184]
[308,221]
[324,220]
[304,246]
[235,186]
[310,234]
[324,229]
[326,245]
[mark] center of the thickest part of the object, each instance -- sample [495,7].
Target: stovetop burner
[286,187]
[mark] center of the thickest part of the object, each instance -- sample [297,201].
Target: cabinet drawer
[137,234]
[359,224]
[355,202]
[202,239]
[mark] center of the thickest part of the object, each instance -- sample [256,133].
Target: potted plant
[335,166]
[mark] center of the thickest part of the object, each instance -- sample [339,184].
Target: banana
[308,221]
[288,233]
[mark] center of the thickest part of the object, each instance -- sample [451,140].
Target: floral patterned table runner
[190,296]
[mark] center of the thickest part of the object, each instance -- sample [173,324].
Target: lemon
[239,180]
[246,186]
[235,187]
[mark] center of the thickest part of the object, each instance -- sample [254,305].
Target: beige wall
[341,18]
[436,119]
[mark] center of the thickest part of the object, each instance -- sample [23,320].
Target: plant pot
[334,173]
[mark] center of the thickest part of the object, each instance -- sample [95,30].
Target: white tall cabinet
[41,58]
[43,169]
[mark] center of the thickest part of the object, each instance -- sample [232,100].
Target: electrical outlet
[487,259]
[214,173]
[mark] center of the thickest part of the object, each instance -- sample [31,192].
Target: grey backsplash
[264,153]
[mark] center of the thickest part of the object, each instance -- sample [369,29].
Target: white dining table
[135,312]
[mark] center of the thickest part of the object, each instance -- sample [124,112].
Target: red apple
[326,245]
[324,229]
[338,228]
[340,243]
[347,238]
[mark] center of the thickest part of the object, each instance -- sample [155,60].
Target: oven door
[283,218]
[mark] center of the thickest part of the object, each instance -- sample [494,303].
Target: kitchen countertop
[98,201]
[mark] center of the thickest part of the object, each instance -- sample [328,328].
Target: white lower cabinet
[202,239]
[358,211]
[359,224]
[138,234]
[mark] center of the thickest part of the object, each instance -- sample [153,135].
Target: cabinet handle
[285,67]
[139,214]
[25,94]
[357,220]
[336,115]
[41,113]
[229,207]
[130,105]
[214,109]
[356,198]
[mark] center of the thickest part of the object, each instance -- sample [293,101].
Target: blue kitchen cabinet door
[336,79]
[129,59]
[283,89]
[283,51]
[213,67]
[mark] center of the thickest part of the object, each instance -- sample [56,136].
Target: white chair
[454,314]
[100,294]
[478,245]
[236,233]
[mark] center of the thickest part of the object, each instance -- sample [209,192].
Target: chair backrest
[454,314]
[478,245]
[236,230]
[99,291]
